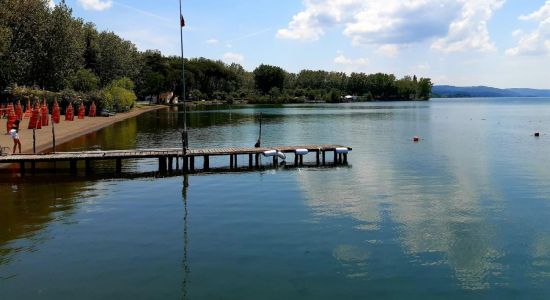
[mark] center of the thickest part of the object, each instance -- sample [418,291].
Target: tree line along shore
[47,53]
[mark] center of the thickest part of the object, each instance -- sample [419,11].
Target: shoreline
[66,131]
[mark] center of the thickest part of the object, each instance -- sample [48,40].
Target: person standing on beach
[14,132]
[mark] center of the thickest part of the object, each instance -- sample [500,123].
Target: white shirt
[14,134]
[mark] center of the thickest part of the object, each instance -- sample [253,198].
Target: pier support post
[295,159]
[72,164]
[33,167]
[317,159]
[185,163]
[345,158]
[250,163]
[192,163]
[22,168]
[177,163]
[170,164]
[335,157]
[206,162]
[88,166]
[231,161]
[324,157]
[162,165]
[257,162]
[119,165]
[301,160]
[275,161]
[235,163]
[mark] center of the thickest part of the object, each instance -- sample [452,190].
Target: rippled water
[463,214]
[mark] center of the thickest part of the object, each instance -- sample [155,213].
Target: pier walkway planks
[166,156]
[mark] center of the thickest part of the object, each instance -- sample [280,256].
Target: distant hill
[448,91]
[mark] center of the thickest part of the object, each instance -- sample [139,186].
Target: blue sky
[501,43]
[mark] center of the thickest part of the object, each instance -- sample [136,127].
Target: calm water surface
[464,214]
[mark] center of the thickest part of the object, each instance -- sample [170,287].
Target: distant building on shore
[350,98]
[164,98]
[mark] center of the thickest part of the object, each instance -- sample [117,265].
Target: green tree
[117,58]
[64,51]
[153,84]
[119,95]
[5,40]
[406,88]
[91,52]
[425,86]
[84,81]
[25,27]
[267,77]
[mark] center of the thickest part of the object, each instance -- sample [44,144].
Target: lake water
[464,214]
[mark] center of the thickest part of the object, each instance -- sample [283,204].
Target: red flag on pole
[182,21]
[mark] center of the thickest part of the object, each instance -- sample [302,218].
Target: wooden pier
[169,159]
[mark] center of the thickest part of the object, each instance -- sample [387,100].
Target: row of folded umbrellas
[39,113]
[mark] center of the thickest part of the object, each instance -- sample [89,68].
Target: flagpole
[184,137]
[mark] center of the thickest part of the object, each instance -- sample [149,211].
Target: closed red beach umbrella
[19,111]
[45,113]
[28,110]
[69,113]
[92,111]
[11,117]
[56,112]
[39,119]
[81,111]
[35,121]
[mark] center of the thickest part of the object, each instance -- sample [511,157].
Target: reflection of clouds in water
[353,257]
[350,254]
[436,212]
[541,258]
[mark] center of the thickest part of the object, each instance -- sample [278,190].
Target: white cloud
[455,24]
[470,31]
[233,57]
[536,42]
[389,50]
[96,4]
[422,67]
[517,33]
[540,15]
[303,26]
[341,59]
[146,39]
[211,41]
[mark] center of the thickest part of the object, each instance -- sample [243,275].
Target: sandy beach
[64,131]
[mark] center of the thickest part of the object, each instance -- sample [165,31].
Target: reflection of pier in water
[185,259]
[46,175]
